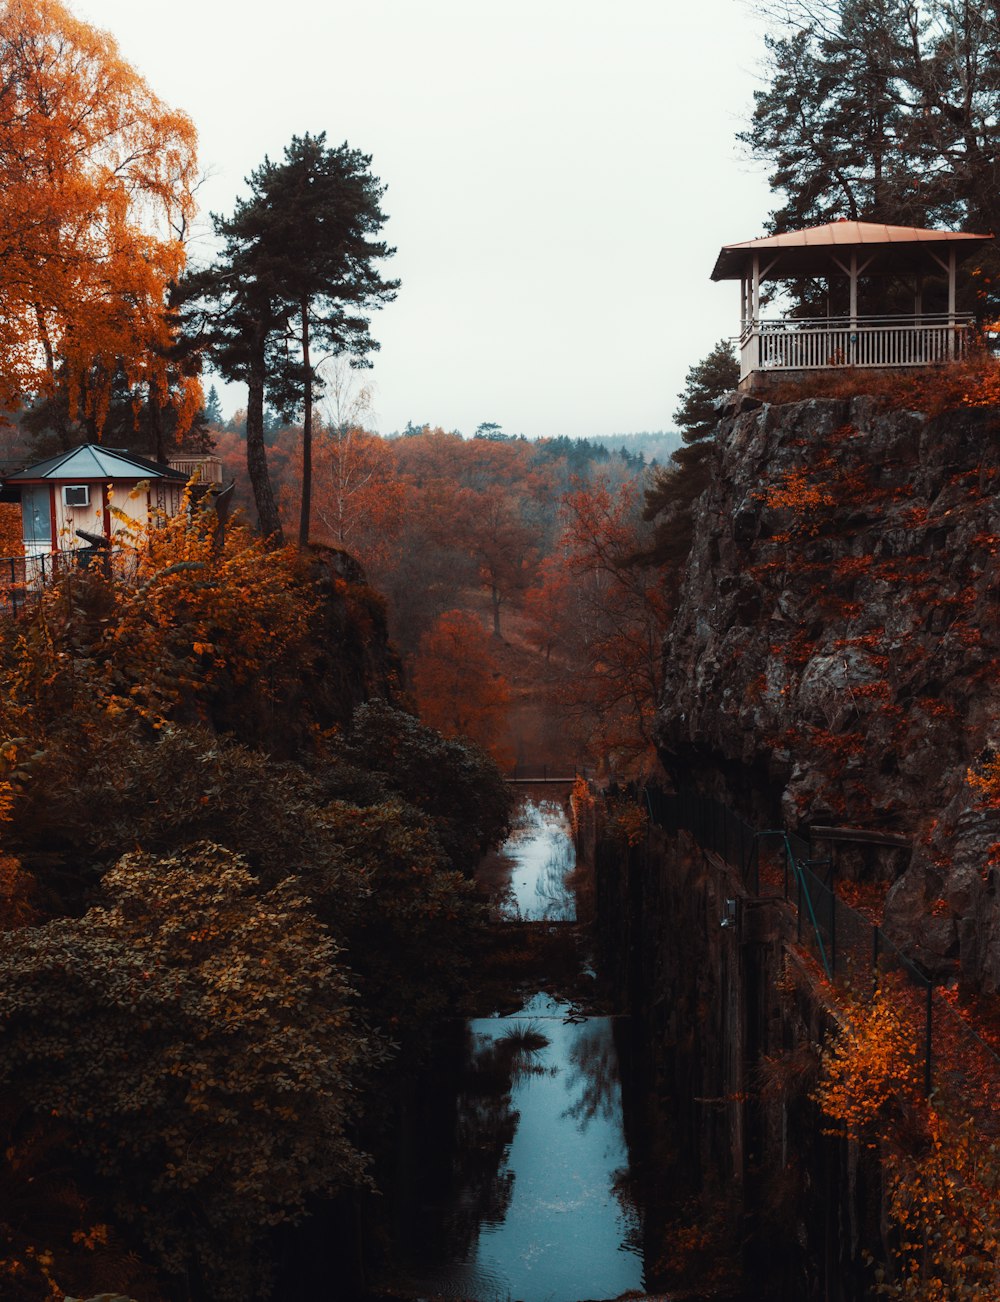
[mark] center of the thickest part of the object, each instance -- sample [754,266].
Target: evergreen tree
[675,488]
[881,110]
[296,271]
[832,120]
[322,209]
[212,410]
[230,311]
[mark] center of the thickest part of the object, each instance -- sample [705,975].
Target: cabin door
[36,517]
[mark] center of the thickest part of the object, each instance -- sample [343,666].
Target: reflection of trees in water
[485,1126]
[593,1084]
[624,1187]
[594,1073]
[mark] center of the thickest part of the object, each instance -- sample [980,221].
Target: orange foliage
[358,502]
[357,498]
[483,499]
[601,620]
[799,495]
[194,617]
[985,780]
[974,382]
[458,689]
[11,530]
[96,181]
[943,1184]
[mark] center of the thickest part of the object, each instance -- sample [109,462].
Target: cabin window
[76,494]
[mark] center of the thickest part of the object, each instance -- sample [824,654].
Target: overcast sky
[561,175]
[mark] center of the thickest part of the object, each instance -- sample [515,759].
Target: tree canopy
[297,273]
[671,496]
[881,110]
[96,177]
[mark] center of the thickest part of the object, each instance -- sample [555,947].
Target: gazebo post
[755,314]
[951,304]
[853,273]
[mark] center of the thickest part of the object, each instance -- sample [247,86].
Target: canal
[515,1181]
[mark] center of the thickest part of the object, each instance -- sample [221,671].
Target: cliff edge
[836,645]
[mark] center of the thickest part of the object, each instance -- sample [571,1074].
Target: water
[541,854]
[525,1195]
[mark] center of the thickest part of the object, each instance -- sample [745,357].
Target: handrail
[790,858]
[707,819]
[818,324]
[887,318]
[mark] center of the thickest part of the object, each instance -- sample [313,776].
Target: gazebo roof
[91,461]
[810,252]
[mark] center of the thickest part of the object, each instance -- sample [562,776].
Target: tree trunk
[156,423]
[260,480]
[307,413]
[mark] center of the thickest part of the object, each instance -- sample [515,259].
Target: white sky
[561,173]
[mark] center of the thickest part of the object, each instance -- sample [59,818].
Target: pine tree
[212,411]
[670,498]
[832,119]
[881,110]
[716,374]
[323,210]
[296,270]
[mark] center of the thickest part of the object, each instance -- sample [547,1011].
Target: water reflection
[541,852]
[539,1209]
[593,1075]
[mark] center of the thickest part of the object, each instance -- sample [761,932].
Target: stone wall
[725,1028]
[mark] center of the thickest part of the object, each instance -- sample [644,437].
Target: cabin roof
[91,461]
[809,252]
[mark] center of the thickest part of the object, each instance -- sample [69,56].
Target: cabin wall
[137,501]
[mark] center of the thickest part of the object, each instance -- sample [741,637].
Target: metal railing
[853,950]
[24,578]
[545,773]
[821,343]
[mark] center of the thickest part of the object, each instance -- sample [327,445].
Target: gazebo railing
[822,343]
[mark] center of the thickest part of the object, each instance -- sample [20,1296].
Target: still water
[534,1202]
[541,855]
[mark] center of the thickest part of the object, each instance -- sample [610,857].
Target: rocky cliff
[836,646]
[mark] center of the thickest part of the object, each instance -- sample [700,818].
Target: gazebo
[781,348]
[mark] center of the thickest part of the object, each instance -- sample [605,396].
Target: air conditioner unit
[76,494]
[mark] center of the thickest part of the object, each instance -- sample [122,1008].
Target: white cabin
[77,490]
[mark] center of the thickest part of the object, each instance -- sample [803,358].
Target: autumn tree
[358,502]
[216,1084]
[457,685]
[940,1179]
[490,502]
[96,181]
[601,620]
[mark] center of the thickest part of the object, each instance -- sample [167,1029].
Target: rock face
[837,642]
